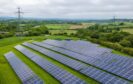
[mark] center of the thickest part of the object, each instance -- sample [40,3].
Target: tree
[1,36]
[130,38]
[125,43]
[121,23]
[95,35]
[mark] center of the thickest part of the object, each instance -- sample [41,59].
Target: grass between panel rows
[76,73]
[7,75]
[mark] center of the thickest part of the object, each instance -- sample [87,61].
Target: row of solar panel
[93,52]
[122,66]
[76,48]
[26,75]
[71,45]
[63,76]
[81,67]
[82,47]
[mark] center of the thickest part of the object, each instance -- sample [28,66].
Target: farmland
[66,42]
[130,30]
[54,32]
[68,26]
[40,72]
[58,26]
[7,75]
[108,35]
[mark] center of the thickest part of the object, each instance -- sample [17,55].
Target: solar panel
[26,75]
[88,48]
[110,64]
[82,48]
[87,70]
[63,76]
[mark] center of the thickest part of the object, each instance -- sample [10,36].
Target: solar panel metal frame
[98,65]
[44,51]
[26,75]
[49,67]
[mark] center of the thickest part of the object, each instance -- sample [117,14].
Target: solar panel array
[63,76]
[119,65]
[82,48]
[24,73]
[81,67]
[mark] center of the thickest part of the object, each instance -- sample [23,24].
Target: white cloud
[69,8]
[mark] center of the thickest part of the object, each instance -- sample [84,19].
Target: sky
[73,9]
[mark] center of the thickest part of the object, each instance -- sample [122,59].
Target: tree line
[110,37]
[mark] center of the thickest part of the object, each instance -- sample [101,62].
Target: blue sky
[82,9]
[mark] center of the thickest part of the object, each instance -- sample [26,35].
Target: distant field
[62,31]
[128,30]
[58,26]
[68,26]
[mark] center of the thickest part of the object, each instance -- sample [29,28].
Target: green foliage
[37,31]
[58,26]
[115,37]
[115,46]
[130,38]
[8,27]
[125,43]
[103,28]
[95,35]
[110,37]
[121,24]
[5,35]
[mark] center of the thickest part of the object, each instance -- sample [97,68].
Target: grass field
[68,26]
[7,75]
[128,30]
[58,26]
[62,31]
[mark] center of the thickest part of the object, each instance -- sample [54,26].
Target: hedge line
[114,46]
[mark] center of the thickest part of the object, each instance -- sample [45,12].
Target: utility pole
[114,19]
[19,19]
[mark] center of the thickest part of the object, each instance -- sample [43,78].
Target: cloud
[92,9]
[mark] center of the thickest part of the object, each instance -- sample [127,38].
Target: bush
[115,46]
[1,36]
[121,23]
[130,38]
[125,43]
[95,35]
[128,51]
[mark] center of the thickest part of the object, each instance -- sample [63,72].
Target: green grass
[129,30]
[62,31]
[7,75]
[13,40]
[38,70]
[58,26]
[119,53]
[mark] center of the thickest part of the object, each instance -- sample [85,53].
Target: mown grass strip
[7,75]
[48,79]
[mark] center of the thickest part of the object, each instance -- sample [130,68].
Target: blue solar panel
[24,73]
[109,62]
[63,76]
[87,70]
